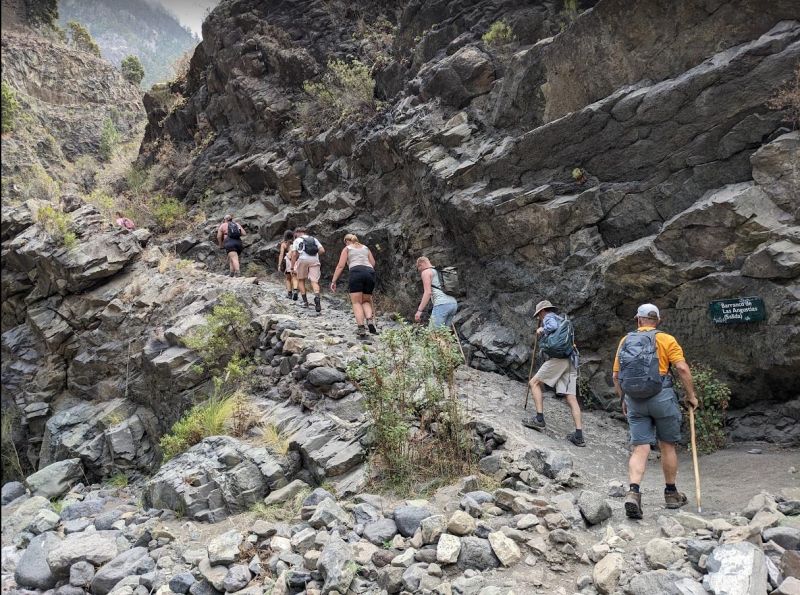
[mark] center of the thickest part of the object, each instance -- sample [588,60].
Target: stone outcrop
[471,161]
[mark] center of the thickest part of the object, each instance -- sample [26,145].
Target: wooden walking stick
[694,461]
[530,372]
[458,340]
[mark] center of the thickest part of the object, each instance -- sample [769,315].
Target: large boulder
[97,548]
[336,565]
[738,568]
[132,562]
[33,571]
[54,480]
[217,477]
[459,78]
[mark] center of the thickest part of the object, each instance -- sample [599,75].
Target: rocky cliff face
[691,184]
[64,97]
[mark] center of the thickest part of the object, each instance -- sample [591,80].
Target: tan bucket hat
[543,305]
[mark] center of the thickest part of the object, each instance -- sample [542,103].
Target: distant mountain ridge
[139,27]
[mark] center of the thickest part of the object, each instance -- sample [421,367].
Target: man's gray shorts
[658,417]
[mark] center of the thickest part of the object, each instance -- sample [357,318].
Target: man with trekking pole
[557,339]
[643,383]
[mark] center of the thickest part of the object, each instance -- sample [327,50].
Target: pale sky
[190,13]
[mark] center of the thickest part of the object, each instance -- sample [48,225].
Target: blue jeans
[442,315]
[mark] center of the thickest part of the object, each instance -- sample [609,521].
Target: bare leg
[575,409]
[669,461]
[288,279]
[366,302]
[234,262]
[638,463]
[230,261]
[358,308]
[294,281]
[301,285]
[315,287]
[536,393]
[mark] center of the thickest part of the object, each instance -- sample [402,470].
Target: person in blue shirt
[559,373]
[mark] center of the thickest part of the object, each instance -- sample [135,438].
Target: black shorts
[361,280]
[232,245]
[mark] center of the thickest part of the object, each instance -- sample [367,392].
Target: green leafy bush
[713,396]
[225,334]
[498,34]
[419,432]
[136,180]
[10,107]
[58,225]
[132,70]
[345,91]
[109,139]
[167,211]
[82,39]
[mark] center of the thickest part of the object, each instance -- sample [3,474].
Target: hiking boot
[675,499]
[294,295]
[633,505]
[577,441]
[371,327]
[289,295]
[533,423]
[317,304]
[361,332]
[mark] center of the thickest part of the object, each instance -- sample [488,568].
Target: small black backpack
[234,231]
[309,246]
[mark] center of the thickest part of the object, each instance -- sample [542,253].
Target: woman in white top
[361,281]
[285,262]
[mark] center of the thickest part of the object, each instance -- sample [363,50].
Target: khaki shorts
[307,269]
[559,374]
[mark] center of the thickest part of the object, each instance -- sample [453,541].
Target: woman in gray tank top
[361,281]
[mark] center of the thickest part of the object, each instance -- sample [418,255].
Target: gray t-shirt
[438,296]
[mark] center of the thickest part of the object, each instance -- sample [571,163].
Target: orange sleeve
[616,356]
[669,352]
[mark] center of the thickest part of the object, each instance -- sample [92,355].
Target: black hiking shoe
[633,505]
[371,327]
[317,304]
[533,423]
[289,294]
[361,332]
[294,295]
[577,441]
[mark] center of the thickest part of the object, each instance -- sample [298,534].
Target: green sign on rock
[746,309]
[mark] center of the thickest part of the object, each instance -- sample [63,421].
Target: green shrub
[57,224]
[109,139]
[203,420]
[167,211]
[345,91]
[225,334]
[132,70]
[82,39]
[418,424]
[10,107]
[713,396]
[118,480]
[38,184]
[498,34]
[136,180]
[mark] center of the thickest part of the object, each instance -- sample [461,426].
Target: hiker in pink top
[123,221]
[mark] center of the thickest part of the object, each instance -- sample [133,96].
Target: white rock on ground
[447,549]
[736,569]
[504,548]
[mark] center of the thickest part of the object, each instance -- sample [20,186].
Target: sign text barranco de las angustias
[737,310]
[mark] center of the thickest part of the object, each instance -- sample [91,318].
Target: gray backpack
[638,365]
